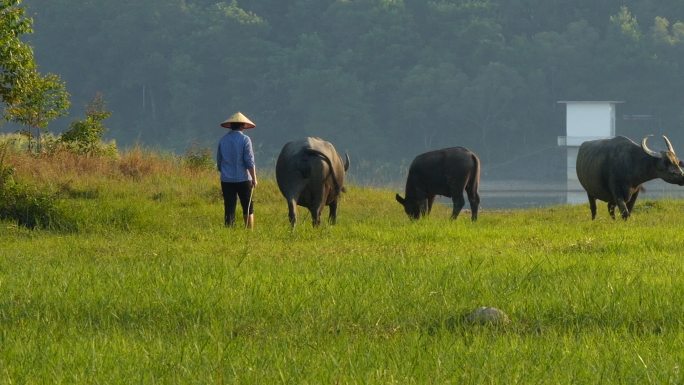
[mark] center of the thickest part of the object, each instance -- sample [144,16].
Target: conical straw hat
[238,117]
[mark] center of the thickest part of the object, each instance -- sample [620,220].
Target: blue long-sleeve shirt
[234,157]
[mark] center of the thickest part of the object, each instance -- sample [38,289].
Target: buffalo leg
[620,196]
[459,202]
[632,200]
[292,211]
[316,208]
[316,214]
[623,208]
[332,219]
[457,190]
[611,209]
[430,201]
[474,200]
[592,206]
[622,205]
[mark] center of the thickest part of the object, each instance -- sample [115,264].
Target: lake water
[527,194]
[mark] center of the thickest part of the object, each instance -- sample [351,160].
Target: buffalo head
[414,208]
[668,166]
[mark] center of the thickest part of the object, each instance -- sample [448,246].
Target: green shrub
[85,136]
[13,142]
[26,205]
[197,157]
[6,171]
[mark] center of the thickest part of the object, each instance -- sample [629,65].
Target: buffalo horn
[346,161]
[669,145]
[648,150]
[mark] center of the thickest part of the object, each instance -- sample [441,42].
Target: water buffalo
[445,172]
[310,173]
[612,170]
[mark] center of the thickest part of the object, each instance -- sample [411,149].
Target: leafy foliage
[6,170]
[198,157]
[27,205]
[16,57]
[382,79]
[31,99]
[85,136]
[45,99]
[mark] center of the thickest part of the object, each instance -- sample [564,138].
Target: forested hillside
[382,79]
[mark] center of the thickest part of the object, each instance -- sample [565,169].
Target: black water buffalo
[445,172]
[310,173]
[612,170]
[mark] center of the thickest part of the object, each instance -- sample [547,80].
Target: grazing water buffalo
[445,172]
[310,173]
[612,170]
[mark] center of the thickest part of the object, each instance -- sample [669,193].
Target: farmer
[235,162]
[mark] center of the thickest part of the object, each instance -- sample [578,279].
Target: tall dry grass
[135,164]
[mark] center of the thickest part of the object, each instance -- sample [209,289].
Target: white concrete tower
[585,120]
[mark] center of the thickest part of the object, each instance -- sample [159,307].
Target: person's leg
[245,193]
[229,202]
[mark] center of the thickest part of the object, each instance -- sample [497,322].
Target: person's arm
[249,161]
[252,173]
[219,158]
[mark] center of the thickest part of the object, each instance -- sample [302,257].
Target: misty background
[384,80]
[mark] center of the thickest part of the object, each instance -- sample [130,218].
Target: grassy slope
[149,287]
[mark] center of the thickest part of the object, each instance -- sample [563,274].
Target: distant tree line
[382,79]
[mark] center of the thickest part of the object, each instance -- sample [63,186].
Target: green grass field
[145,285]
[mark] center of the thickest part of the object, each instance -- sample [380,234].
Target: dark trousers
[231,193]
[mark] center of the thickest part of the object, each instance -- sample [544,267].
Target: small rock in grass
[488,316]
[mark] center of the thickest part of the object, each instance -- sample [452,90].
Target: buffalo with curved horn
[613,170]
